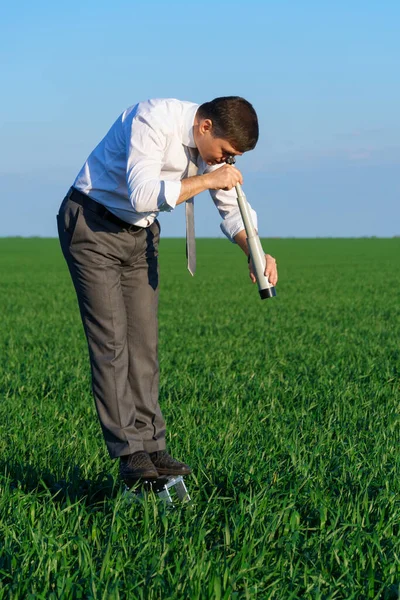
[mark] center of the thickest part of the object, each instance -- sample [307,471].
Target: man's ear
[206,126]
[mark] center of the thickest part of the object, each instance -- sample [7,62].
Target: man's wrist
[206,179]
[241,240]
[191,186]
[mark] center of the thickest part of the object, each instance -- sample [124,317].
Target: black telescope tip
[230,160]
[267,293]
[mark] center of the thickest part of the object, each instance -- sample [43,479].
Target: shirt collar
[187,127]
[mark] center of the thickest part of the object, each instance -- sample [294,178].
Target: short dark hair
[234,119]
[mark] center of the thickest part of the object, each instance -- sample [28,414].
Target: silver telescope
[257,254]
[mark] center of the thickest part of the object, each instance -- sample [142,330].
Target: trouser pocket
[67,222]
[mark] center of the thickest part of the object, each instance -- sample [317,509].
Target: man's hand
[270,263]
[224,178]
[271,270]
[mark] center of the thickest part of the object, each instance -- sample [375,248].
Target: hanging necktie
[189,210]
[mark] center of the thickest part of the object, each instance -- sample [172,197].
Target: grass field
[288,410]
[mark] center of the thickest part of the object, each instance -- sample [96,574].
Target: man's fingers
[272,277]
[271,270]
[240,177]
[236,176]
[231,175]
[251,273]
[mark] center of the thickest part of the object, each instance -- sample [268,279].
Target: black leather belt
[84,200]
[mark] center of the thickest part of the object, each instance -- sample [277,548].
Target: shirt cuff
[169,195]
[232,225]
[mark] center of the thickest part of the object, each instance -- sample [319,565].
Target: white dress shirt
[137,168]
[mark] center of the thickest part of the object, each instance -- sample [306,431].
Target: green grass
[288,410]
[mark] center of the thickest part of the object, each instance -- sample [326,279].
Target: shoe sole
[139,476]
[167,472]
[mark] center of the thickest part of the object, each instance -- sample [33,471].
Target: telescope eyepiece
[230,160]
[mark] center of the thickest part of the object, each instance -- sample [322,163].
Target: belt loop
[104,212]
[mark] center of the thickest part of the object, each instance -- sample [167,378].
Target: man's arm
[270,268]
[241,240]
[224,178]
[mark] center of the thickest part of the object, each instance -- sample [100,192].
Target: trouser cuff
[153,445]
[146,446]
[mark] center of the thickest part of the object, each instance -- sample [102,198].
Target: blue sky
[323,77]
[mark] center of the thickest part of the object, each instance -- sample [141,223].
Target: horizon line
[275,237]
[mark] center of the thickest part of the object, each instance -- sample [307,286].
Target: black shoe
[136,467]
[166,465]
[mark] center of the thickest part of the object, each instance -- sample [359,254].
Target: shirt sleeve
[227,205]
[146,146]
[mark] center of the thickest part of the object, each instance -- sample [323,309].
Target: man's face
[212,150]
